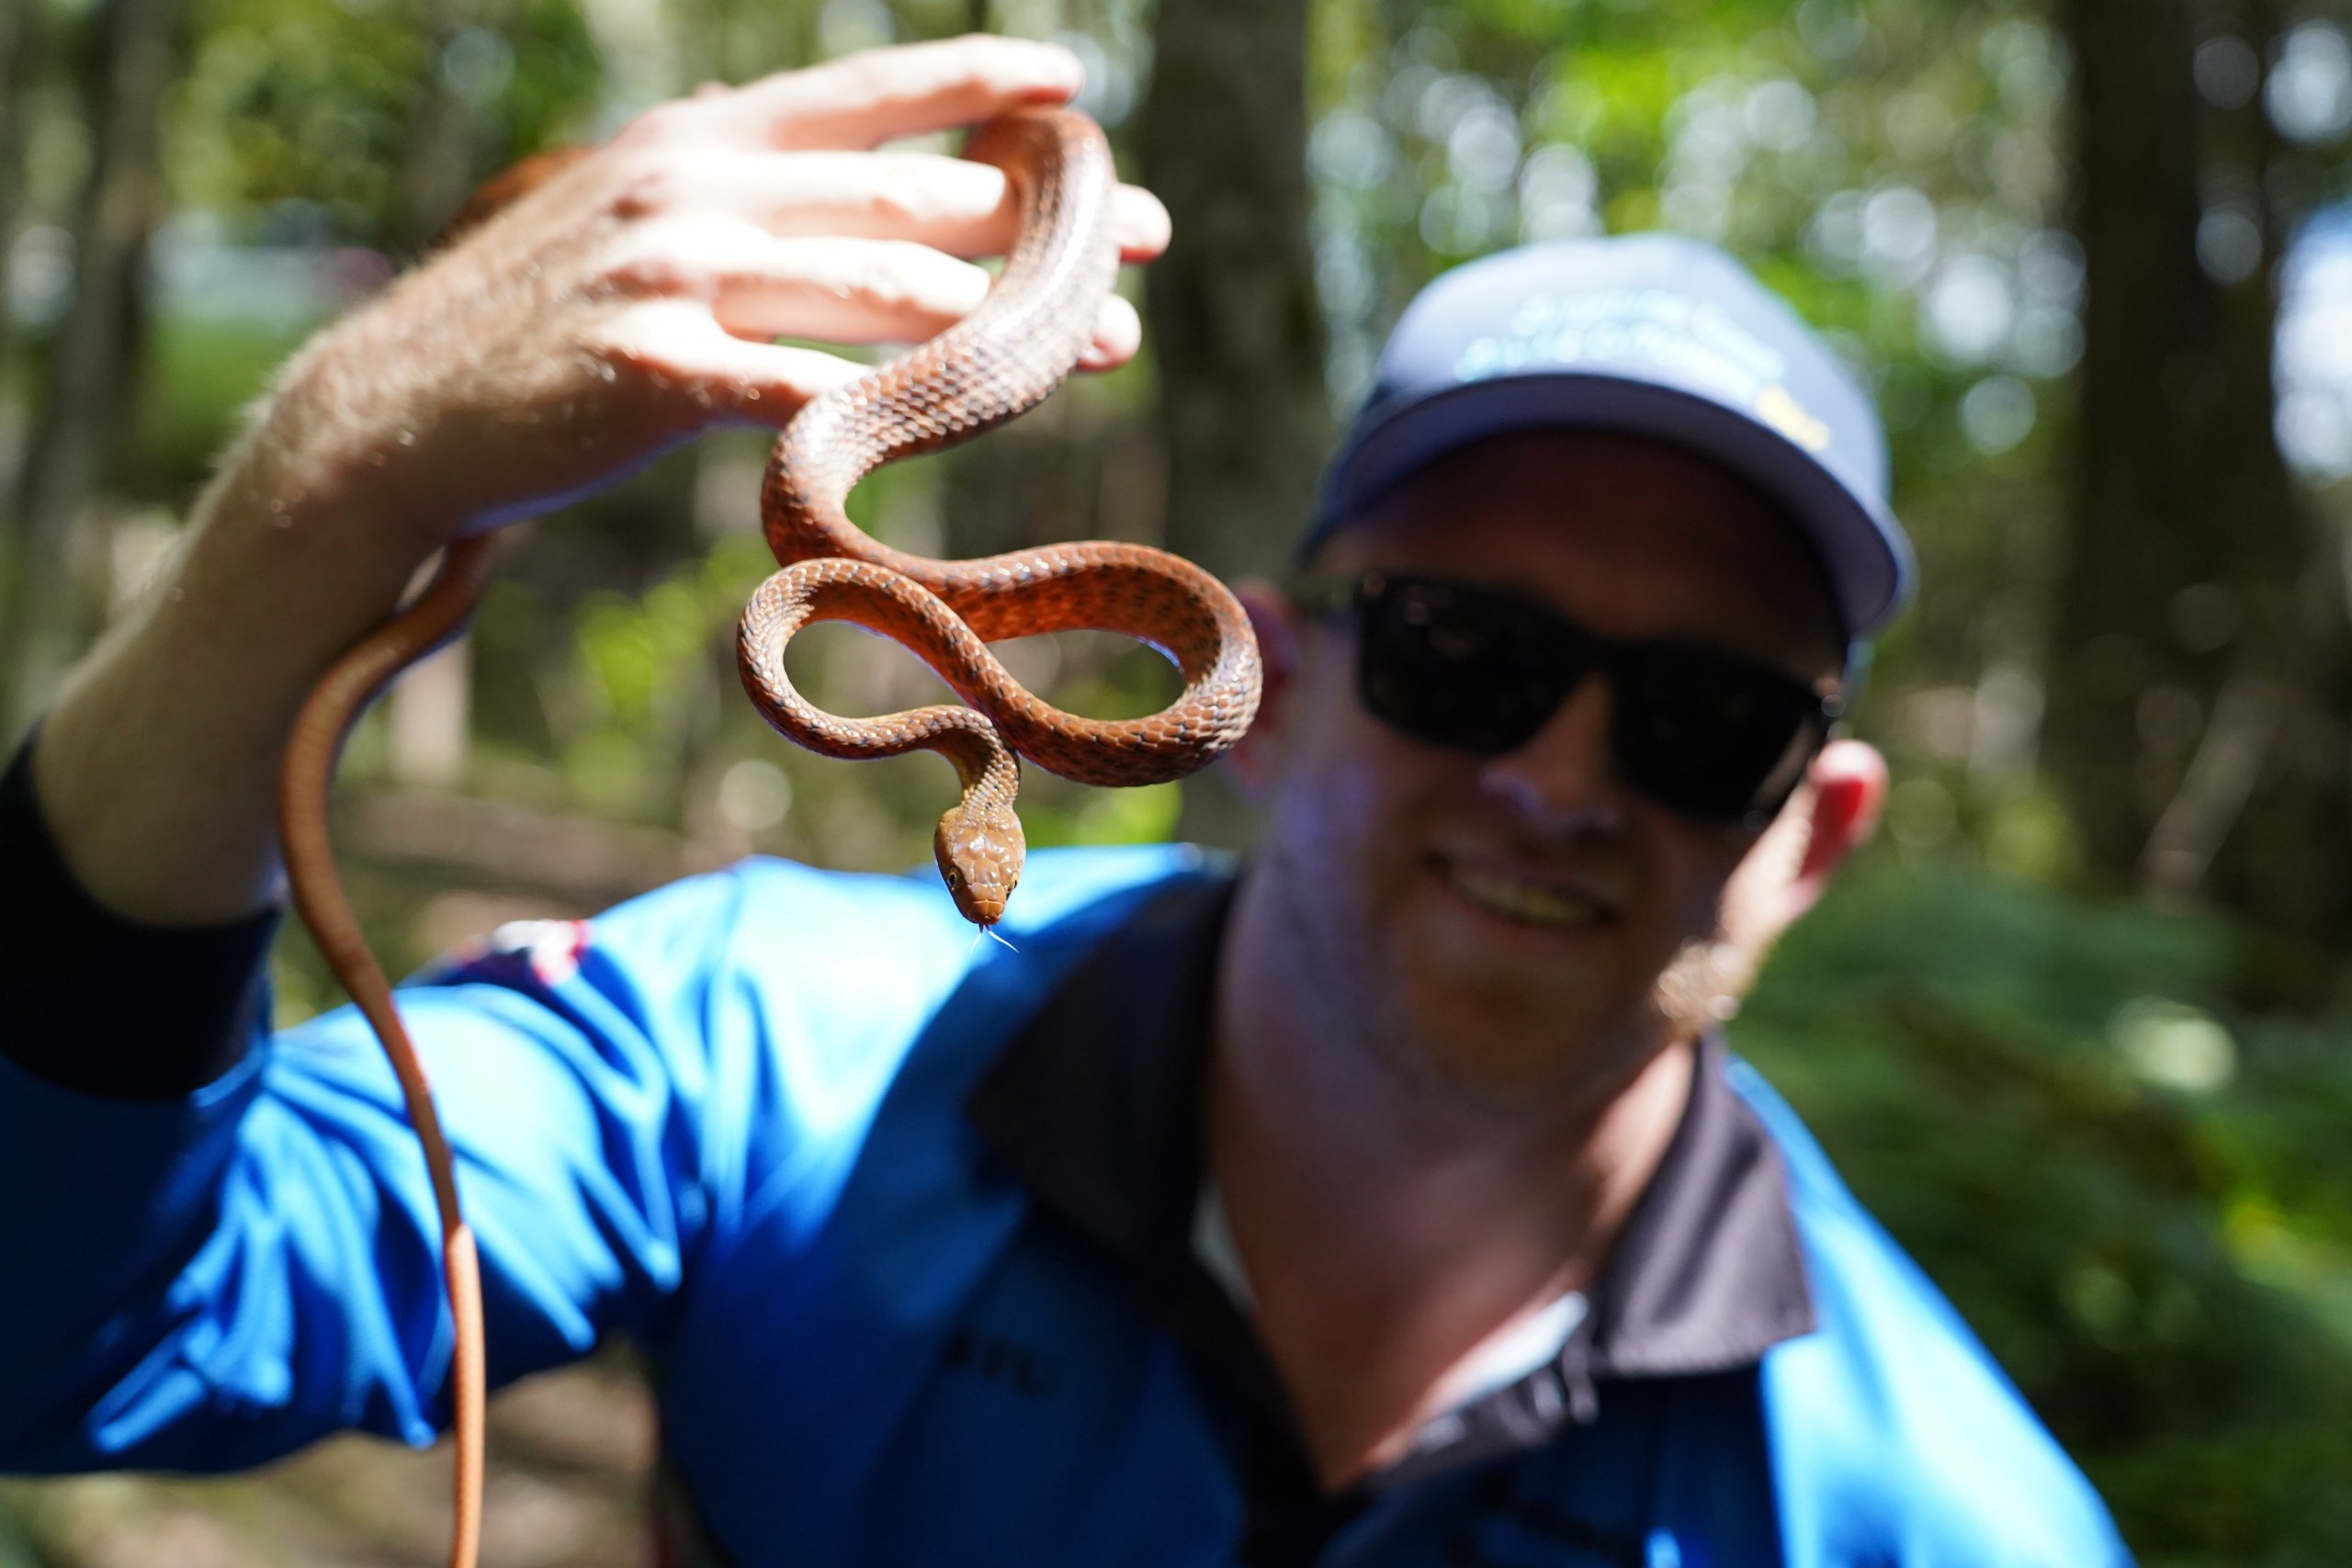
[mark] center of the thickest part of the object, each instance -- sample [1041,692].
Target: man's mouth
[1528,901]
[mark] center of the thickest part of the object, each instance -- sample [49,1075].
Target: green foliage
[295,101]
[200,373]
[635,658]
[556,76]
[314,102]
[2135,1196]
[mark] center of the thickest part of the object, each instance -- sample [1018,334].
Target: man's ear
[1277,628]
[1837,810]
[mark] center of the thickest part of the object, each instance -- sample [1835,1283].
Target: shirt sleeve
[205,1270]
[207,1278]
[107,1005]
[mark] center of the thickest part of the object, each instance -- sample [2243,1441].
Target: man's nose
[1563,777]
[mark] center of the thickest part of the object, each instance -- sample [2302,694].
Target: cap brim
[1861,550]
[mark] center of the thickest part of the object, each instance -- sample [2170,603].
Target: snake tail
[304,781]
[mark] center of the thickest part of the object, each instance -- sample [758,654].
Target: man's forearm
[156,770]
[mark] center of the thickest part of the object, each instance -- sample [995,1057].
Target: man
[1393,1204]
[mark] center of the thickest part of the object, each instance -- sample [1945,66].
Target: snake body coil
[1002,359]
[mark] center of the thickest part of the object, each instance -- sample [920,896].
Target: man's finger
[865,99]
[950,204]
[1118,332]
[844,290]
[867,291]
[712,376]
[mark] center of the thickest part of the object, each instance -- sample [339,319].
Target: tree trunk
[436,171]
[2197,666]
[18,42]
[1234,323]
[85,414]
[431,709]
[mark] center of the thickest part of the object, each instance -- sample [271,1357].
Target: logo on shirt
[992,1356]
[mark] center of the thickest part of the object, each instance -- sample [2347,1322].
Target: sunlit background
[2077,1027]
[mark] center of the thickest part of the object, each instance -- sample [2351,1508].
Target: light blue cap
[1651,334]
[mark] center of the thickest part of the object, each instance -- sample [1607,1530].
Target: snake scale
[1000,361]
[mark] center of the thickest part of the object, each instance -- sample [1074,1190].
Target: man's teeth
[1518,901]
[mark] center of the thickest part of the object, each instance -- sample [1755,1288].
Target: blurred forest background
[2079,1027]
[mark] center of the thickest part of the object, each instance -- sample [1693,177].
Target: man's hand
[625,304]
[630,301]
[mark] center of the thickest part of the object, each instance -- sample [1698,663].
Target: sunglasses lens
[1707,734]
[1711,736]
[1453,667]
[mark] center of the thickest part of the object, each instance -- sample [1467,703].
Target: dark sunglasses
[1699,730]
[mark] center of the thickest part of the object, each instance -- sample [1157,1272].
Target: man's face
[1497,925]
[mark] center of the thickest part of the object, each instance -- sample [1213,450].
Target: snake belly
[995,363]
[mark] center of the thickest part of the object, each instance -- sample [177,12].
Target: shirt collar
[1097,1107]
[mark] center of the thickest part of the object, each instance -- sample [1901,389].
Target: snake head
[979,851]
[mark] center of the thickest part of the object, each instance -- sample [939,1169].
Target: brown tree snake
[995,363]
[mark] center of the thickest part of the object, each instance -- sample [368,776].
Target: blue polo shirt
[903,1224]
